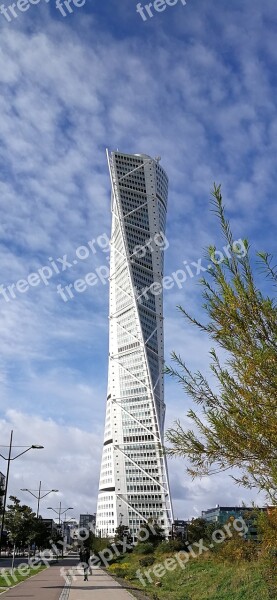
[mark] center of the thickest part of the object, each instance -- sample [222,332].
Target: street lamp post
[60,511]
[66,527]
[40,496]
[9,459]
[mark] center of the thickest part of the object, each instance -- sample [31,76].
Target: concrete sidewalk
[46,585]
[100,586]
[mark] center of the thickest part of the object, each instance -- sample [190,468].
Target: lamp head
[37,447]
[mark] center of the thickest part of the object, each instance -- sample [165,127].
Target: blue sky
[195,84]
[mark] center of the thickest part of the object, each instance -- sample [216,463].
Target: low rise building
[180,528]
[87,521]
[51,526]
[222,514]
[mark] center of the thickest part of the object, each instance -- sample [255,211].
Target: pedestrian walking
[84,558]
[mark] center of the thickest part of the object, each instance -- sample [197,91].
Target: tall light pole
[40,495]
[60,510]
[9,459]
[66,527]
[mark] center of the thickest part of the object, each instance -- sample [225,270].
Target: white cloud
[69,462]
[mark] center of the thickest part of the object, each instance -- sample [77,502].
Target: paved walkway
[51,585]
[46,585]
[100,586]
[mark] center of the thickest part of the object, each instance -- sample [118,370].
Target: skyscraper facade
[133,480]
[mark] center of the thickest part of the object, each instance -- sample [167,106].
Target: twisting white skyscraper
[133,480]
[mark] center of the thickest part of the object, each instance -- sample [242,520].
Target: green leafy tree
[20,522]
[234,425]
[200,529]
[122,534]
[42,535]
[57,537]
[152,533]
[99,543]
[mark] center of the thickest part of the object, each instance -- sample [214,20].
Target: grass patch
[8,580]
[203,578]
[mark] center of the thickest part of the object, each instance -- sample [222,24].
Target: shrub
[144,548]
[171,546]
[155,534]
[99,544]
[119,570]
[238,549]
[267,528]
[146,561]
